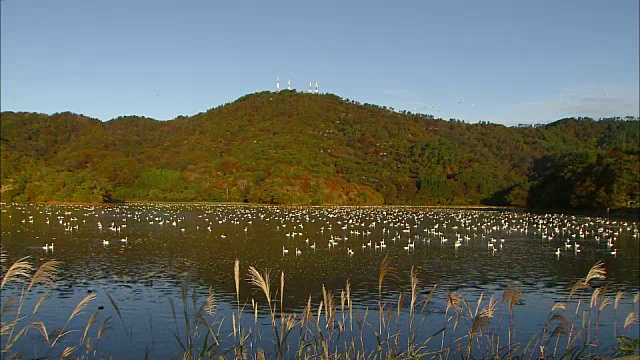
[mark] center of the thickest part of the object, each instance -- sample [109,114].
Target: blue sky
[506,62]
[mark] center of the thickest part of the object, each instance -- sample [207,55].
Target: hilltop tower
[316,86]
[278,84]
[309,88]
[289,83]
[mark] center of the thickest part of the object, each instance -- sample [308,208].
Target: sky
[508,62]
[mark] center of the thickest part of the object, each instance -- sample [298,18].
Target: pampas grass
[326,329]
[19,271]
[632,318]
[261,282]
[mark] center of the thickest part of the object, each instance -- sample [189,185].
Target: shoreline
[630,214]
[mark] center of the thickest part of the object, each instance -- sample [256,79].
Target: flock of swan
[352,229]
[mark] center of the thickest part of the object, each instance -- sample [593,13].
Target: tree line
[296,148]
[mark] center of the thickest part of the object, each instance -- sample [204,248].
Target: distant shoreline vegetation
[298,149]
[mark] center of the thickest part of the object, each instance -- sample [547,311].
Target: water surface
[140,254]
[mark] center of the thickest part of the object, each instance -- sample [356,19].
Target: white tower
[316,86]
[289,83]
[309,88]
[278,84]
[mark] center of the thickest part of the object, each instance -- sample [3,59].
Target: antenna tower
[278,84]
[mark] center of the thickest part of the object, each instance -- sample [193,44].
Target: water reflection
[141,253]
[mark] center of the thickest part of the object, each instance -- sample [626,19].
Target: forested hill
[297,148]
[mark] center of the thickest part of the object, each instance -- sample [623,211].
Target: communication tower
[278,84]
[289,83]
[316,86]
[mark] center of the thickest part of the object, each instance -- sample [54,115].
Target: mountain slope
[290,147]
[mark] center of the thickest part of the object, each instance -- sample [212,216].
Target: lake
[142,256]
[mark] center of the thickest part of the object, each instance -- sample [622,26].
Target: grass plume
[19,271]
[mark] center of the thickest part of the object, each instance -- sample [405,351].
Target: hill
[297,148]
